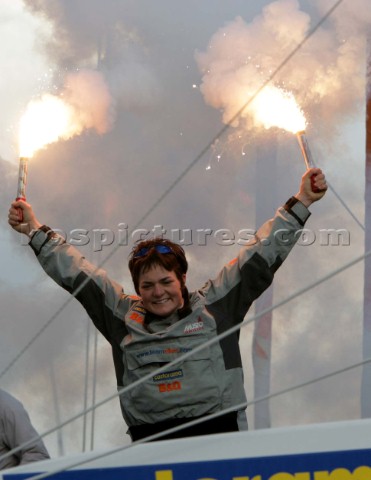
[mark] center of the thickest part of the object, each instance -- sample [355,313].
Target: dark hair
[175,260]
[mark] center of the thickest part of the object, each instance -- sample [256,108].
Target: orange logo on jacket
[169,387]
[137,317]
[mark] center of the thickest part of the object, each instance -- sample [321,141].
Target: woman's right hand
[28,224]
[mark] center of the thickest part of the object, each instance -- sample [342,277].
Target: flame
[274,107]
[45,120]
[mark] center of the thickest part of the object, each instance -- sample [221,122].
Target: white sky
[161,124]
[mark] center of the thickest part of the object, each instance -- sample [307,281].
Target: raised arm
[246,277]
[103,298]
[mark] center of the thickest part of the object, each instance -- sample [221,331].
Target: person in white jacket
[15,430]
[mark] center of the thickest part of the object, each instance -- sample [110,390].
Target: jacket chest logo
[169,387]
[195,326]
[166,381]
[137,314]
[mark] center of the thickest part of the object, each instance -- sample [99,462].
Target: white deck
[295,453]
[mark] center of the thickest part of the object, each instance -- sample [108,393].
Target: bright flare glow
[45,121]
[274,107]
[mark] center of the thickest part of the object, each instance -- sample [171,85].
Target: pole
[86,385]
[56,410]
[261,349]
[366,369]
[94,389]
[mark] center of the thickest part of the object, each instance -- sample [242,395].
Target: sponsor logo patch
[137,314]
[163,351]
[194,327]
[139,309]
[161,377]
[136,317]
[169,387]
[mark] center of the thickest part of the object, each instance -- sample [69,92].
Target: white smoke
[88,93]
[95,36]
[325,75]
[350,18]
[133,84]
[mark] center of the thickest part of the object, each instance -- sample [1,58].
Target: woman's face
[161,291]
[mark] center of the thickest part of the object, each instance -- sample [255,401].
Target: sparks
[45,121]
[274,107]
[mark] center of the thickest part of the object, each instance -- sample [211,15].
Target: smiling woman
[161,291]
[154,330]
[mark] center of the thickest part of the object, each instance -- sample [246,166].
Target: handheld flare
[308,159]
[22,180]
[303,142]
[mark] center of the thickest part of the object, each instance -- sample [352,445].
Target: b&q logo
[360,473]
[169,387]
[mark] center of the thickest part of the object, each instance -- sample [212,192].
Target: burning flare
[45,121]
[274,107]
[84,103]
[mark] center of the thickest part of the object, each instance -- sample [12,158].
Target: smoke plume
[87,92]
[241,56]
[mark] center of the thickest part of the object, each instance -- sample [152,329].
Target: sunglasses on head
[159,248]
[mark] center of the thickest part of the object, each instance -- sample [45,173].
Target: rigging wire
[197,421]
[158,436]
[344,204]
[154,206]
[178,179]
[347,208]
[207,344]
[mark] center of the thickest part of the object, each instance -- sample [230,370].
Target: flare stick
[22,180]
[308,159]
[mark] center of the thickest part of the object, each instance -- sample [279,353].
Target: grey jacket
[206,382]
[16,429]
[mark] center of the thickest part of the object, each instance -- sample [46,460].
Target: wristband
[291,202]
[297,209]
[40,242]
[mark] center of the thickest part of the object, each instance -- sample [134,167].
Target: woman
[165,322]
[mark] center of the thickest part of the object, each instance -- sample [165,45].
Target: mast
[262,339]
[366,370]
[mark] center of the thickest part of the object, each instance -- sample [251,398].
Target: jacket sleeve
[246,277]
[103,299]
[19,430]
